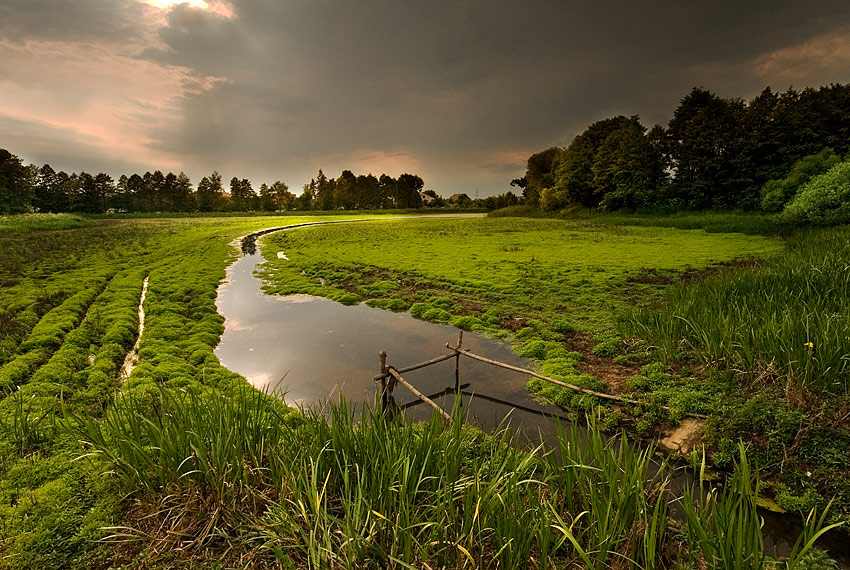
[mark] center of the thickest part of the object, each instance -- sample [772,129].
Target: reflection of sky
[313,349]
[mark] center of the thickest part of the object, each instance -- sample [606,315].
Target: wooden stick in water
[419,394]
[415,366]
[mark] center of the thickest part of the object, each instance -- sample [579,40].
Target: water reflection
[311,349]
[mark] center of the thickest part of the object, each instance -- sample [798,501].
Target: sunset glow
[222,9]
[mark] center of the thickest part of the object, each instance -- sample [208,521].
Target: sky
[460,93]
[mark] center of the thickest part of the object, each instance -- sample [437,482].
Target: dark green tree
[368,192]
[627,168]
[408,187]
[706,150]
[96,193]
[50,192]
[345,191]
[307,197]
[388,191]
[242,195]
[16,184]
[324,196]
[282,197]
[149,197]
[184,195]
[539,174]
[210,193]
[574,181]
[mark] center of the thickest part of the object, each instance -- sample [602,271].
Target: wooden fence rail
[389,376]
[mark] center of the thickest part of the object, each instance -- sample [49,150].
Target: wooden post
[383,358]
[457,360]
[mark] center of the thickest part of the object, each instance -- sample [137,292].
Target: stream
[311,350]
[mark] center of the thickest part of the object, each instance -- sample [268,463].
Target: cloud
[94,90]
[455,92]
[820,60]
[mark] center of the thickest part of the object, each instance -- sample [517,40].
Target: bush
[775,194]
[824,200]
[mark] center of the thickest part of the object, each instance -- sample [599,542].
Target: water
[311,349]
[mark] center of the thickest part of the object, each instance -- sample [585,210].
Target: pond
[311,350]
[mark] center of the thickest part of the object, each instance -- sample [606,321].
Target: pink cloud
[100,91]
[217,7]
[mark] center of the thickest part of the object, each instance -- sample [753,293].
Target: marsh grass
[498,269]
[208,463]
[789,316]
[236,469]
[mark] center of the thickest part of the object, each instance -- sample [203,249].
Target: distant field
[577,272]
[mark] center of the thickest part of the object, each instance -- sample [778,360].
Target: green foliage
[211,440]
[724,528]
[392,304]
[715,152]
[682,394]
[322,483]
[787,316]
[775,194]
[607,345]
[456,496]
[823,200]
[815,559]
[541,269]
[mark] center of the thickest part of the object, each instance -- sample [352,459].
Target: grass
[40,222]
[68,315]
[494,269]
[237,472]
[750,223]
[787,317]
[730,341]
[205,471]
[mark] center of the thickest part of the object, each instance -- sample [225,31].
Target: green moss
[391,304]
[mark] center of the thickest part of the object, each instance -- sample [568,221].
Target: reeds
[789,316]
[339,491]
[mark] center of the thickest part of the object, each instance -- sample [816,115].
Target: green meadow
[579,274]
[183,465]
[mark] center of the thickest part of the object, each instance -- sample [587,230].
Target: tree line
[715,152]
[29,188]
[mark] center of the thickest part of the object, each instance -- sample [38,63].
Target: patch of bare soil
[699,274]
[604,369]
[683,438]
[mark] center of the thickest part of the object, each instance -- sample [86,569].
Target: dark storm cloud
[72,20]
[450,81]
[460,93]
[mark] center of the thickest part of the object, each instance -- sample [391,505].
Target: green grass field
[578,273]
[211,474]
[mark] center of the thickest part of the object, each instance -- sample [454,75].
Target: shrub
[775,194]
[437,315]
[824,200]
[468,323]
